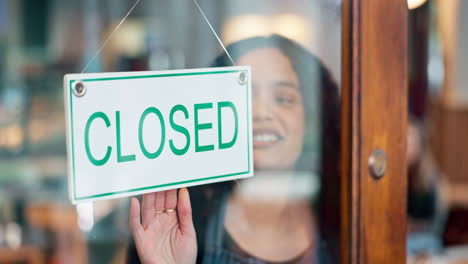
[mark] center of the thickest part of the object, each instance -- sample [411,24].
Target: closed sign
[137,132]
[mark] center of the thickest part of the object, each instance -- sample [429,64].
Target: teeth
[265,137]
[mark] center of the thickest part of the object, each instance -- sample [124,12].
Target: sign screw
[79,89]
[242,78]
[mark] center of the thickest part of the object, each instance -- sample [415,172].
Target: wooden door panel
[375,104]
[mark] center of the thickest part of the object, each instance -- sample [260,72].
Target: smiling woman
[278,110]
[295,130]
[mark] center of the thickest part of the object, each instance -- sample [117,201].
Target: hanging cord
[110,36]
[130,11]
[214,32]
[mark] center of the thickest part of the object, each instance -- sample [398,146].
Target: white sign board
[136,132]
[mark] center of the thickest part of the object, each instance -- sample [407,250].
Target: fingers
[184,210]
[170,199]
[147,208]
[135,225]
[159,201]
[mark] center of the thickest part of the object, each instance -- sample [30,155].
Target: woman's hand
[166,233]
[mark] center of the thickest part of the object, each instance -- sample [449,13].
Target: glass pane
[438,121]
[287,213]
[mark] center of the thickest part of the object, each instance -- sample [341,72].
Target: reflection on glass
[275,216]
[264,218]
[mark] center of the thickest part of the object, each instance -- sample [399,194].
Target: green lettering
[199,127]
[120,157]
[179,129]
[220,135]
[88,150]
[148,154]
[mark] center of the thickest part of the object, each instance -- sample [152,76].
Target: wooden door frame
[374,115]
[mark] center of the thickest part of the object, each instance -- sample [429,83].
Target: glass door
[328,90]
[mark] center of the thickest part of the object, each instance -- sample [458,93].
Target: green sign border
[160,185]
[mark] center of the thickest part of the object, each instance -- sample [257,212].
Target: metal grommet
[242,78]
[79,89]
[377,163]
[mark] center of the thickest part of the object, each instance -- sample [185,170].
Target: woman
[295,106]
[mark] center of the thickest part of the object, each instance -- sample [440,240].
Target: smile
[265,139]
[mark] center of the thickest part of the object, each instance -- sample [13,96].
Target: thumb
[184,211]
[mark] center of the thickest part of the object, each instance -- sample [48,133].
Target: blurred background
[42,40]
[438,123]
